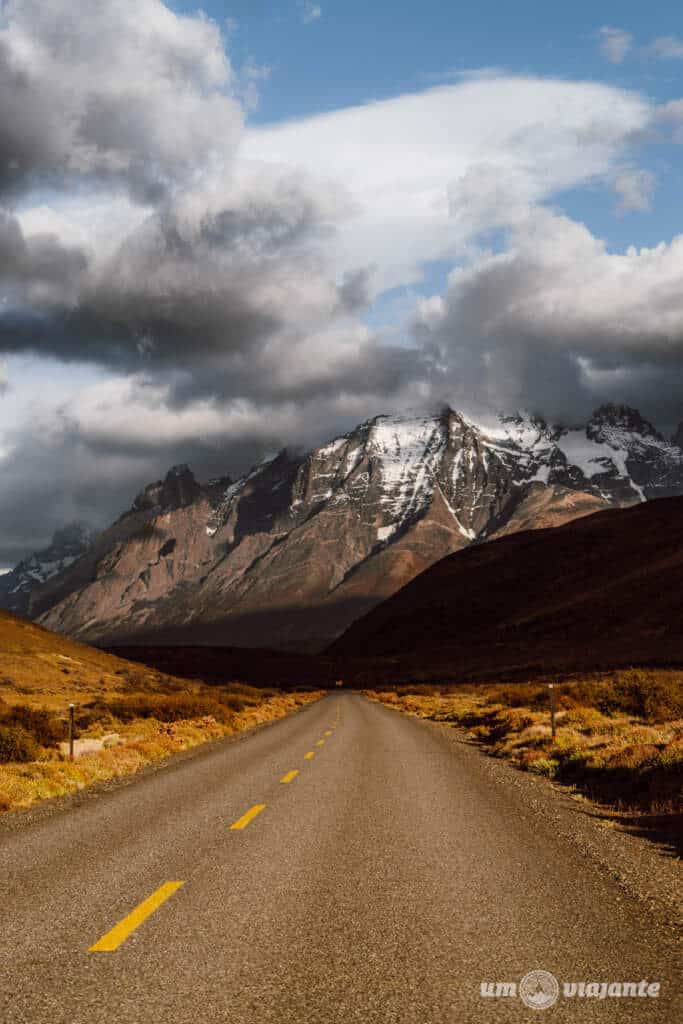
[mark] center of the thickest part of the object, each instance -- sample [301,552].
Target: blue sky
[231,227]
[356,52]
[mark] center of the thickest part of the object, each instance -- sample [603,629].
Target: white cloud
[309,11]
[615,44]
[635,187]
[405,160]
[666,48]
[128,91]
[547,322]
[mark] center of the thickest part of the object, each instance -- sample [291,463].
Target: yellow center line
[320,743]
[120,932]
[290,775]
[249,816]
[309,755]
[329,732]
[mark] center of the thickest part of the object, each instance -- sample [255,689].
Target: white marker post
[551,693]
[71,731]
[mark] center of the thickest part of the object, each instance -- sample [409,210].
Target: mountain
[17,586]
[598,592]
[291,553]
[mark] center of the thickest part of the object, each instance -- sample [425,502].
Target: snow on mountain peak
[391,466]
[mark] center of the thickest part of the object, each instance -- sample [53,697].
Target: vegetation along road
[346,864]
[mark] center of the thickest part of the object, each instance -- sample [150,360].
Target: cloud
[459,75]
[127,91]
[615,44]
[666,48]
[204,282]
[635,187]
[403,159]
[196,289]
[309,11]
[556,322]
[304,234]
[38,272]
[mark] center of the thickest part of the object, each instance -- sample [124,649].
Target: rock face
[290,554]
[17,587]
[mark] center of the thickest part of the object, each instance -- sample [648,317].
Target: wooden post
[71,731]
[551,692]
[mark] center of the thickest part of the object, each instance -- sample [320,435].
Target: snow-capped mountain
[293,551]
[617,455]
[67,545]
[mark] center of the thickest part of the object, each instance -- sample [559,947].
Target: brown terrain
[601,591]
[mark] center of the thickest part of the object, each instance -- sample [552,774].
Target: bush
[520,696]
[169,709]
[42,725]
[233,701]
[16,744]
[632,692]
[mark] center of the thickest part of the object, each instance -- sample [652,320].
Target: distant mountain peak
[178,489]
[66,547]
[623,417]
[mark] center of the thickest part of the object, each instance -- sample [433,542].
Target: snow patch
[331,448]
[590,456]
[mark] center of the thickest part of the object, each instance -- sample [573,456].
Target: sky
[236,226]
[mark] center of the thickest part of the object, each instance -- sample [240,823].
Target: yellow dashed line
[290,775]
[309,755]
[329,732]
[320,743]
[120,932]
[249,816]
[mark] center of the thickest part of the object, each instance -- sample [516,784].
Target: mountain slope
[290,554]
[44,669]
[603,590]
[17,586]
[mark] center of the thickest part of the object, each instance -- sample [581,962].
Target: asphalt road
[384,882]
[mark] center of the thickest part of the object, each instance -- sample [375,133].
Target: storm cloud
[126,91]
[195,289]
[557,323]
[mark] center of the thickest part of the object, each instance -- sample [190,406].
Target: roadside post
[71,731]
[551,694]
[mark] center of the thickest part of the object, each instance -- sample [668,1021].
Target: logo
[539,989]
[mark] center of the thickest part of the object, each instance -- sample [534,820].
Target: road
[383,882]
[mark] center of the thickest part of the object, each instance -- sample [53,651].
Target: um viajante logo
[540,990]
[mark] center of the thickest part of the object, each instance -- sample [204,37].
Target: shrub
[169,709]
[16,744]
[522,695]
[233,701]
[42,725]
[543,766]
[632,692]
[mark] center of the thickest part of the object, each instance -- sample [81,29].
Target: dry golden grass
[152,715]
[619,737]
[42,669]
[143,741]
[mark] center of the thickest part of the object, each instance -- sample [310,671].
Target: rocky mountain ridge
[292,552]
[67,545]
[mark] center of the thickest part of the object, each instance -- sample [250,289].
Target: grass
[135,714]
[619,735]
[145,732]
